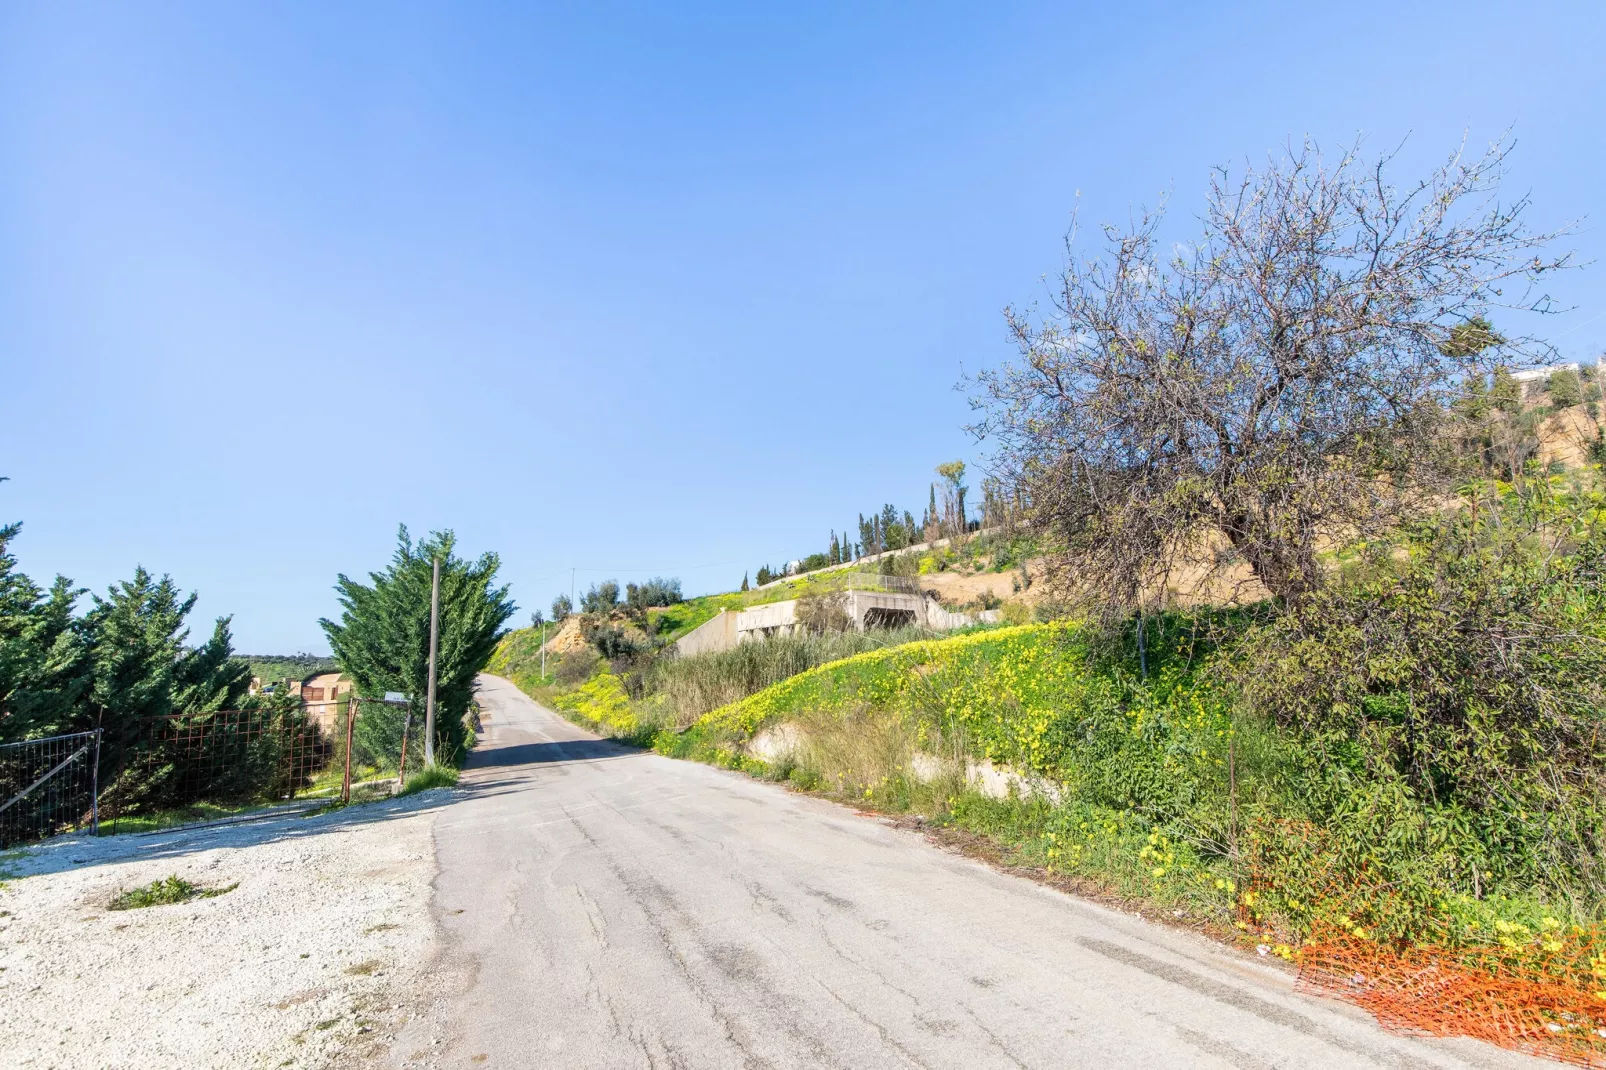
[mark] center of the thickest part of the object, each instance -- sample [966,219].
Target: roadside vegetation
[1319,655]
[166,892]
[1274,771]
[431,776]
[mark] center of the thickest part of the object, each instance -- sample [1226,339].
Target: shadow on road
[80,852]
[488,771]
[571,750]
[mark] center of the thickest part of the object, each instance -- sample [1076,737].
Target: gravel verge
[311,961]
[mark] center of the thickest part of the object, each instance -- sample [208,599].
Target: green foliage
[561,607]
[672,622]
[44,653]
[1416,745]
[1506,392]
[377,736]
[126,661]
[601,598]
[273,668]
[1566,389]
[654,593]
[1457,684]
[382,638]
[431,776]
[174,889]
[1471,337]
[692,686]
[614,643]
[602,705]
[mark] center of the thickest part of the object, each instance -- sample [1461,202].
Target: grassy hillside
[672,622]
[1137,768]
[271,667]
[635,701]
[1159,790]
[1408,760]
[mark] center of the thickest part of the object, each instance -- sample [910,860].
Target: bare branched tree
[1284,381]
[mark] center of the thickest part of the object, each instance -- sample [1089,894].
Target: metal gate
[48,786]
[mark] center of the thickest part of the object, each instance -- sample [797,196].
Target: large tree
[382,637]
[1278,382]
[44,675]
[141,666]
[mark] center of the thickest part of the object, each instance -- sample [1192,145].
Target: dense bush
[601,598]
[1460,678]
[614,642]
[1565,387]
[822,612]
[576,667]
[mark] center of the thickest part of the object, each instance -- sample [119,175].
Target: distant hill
[270,667]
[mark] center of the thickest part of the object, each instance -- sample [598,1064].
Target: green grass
[431,776]
[328,782]
[691,686]
[156,820]
[674,621]
[174,889]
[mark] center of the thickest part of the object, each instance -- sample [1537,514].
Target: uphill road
[597,906]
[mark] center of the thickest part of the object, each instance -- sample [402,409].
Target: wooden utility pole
[434,646]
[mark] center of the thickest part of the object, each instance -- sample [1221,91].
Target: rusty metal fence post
[401,766]
[351,719]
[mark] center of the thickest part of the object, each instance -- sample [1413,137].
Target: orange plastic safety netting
[1538,988]
[1540,1002]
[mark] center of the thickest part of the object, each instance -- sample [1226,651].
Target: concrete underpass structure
[867,609]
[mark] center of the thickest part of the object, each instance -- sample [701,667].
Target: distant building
[321,695]
[1533,380]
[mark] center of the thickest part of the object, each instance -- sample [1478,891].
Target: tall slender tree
[382,637]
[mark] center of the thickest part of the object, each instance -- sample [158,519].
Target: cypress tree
[382,638]
[44,657]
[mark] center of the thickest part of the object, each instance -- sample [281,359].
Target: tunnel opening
[888,618]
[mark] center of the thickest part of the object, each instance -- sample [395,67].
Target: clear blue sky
[674,287]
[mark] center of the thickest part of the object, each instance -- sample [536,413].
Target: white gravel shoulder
[312,959]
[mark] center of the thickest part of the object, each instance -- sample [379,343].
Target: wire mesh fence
[156,772]
[47,786]
[205,762]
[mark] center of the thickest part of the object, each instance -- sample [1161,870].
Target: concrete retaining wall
[716,634]
[780,618]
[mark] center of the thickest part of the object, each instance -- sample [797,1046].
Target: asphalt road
[601,907]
